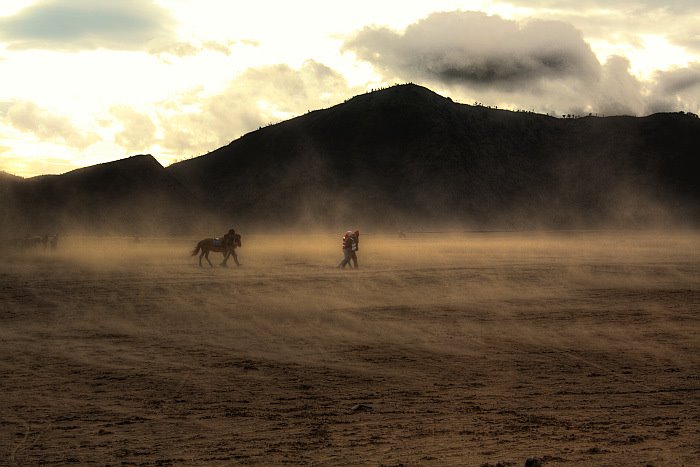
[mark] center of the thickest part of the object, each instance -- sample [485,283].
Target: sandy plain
[476,349]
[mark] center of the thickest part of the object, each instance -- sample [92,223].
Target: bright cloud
[29,117]
[138,132]
[197,123]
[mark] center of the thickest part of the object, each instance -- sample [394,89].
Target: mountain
[133,196]
[399,158]
[8,177]
[405,157]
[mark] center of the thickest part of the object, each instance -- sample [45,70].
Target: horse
[30,242]
[228,248]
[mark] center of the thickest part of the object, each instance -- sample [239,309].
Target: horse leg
[226,255]
[200,258]
[235,257]
[206,256]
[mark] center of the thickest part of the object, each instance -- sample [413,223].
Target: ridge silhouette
[132,196]
[402,157]
[405,156]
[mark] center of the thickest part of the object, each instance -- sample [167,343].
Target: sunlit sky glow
[85,82]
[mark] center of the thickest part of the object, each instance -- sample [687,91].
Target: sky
[89,81]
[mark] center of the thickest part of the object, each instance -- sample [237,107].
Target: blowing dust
[289,295]
[496,314]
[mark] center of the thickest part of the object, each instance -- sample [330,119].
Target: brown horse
[219,245]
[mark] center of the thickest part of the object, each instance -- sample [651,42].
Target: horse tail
[197,248]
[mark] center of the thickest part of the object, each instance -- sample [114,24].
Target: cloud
[70,25]
[194,122]
[626,22]
[163,48]
[176,48]
[473,49]
[675,6]
[28,117]
[221,47]
[253,99]
[687,38]
[139,131]
[680,80]
[677,89]
[619,92]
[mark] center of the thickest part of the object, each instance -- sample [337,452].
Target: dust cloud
[442,348]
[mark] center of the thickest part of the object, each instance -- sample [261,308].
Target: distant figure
[349,244]
[53,242]
[402,234]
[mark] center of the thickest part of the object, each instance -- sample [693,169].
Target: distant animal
[218,245]
[30,242]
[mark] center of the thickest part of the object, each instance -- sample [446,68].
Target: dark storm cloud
[474,49]
[86,25]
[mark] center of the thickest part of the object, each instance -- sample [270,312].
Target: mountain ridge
[131,196]
[399,158]
[405,155]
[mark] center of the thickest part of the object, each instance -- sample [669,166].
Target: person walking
[230,241]
[349,244]
[357,248]
[228,237]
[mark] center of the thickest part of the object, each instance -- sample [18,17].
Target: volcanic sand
[477,349]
